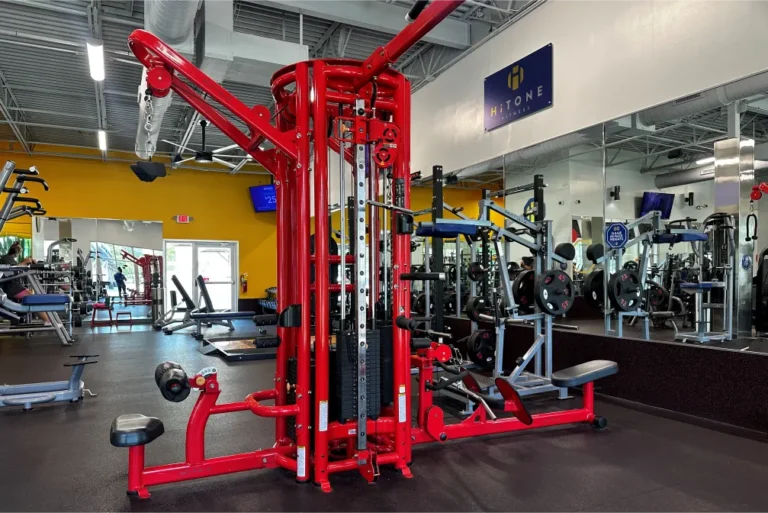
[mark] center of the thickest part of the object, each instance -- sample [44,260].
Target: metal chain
[148,124]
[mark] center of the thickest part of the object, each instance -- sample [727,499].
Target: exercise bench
[49,391]
[209,315]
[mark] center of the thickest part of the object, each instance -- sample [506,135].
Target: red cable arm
[152,52]
[388,54]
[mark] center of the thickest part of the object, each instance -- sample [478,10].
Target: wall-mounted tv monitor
[660,201]
[264,198]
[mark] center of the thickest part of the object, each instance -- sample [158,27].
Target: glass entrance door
[216,262]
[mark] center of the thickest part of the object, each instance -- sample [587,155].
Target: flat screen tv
[264,198]
[660,201]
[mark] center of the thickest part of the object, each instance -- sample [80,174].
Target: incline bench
[189,306]
[209,315]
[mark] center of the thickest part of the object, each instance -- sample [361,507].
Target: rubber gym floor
[58,458]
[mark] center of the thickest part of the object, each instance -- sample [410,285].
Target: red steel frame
[145,263]
[320,88]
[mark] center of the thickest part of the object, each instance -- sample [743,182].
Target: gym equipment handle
[422,276]
[15,190]
[38,205]
[27,172]
[405,323]
[35,179]
[418,6]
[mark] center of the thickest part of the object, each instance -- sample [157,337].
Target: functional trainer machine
[357,417]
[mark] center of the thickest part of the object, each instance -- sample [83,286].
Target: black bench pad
[134,429]
[218,316]
[584,373]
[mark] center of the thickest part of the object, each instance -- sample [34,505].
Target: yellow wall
[218,202]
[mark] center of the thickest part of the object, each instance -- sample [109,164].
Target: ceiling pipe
[173,22]
[693,104]
[693,175]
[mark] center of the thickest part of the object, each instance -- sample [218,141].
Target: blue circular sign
[746,261]
[616,235]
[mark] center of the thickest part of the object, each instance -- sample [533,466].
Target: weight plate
[481,349]
[624,290]
[631,265]
[420,305]
[476,306]
[658,297]
[450,272]
[522,290]
[475,271]
[449,305]
[554,292]
[593,289]
[78,321]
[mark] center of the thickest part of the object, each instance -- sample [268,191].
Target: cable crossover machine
[341,400]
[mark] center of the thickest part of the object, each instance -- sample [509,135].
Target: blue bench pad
[674,238]
[45,299]
[449,228]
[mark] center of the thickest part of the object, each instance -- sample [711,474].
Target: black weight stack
[343,374]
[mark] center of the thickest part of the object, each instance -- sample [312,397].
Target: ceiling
[49,98]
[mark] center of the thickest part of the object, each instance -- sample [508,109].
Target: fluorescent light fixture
[96,58]
[707,160]
[102,140]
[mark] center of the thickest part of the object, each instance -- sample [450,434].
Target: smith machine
[324,423]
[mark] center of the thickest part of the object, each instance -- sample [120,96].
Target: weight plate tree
[624,290]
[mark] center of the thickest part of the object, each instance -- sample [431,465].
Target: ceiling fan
[204,156]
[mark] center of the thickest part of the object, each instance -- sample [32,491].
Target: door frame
[195,243]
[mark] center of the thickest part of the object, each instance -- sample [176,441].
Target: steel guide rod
[361,172]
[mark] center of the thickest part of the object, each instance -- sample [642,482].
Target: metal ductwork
[173,22]
[170,20]
[693,175]
[696,103]
[558,144]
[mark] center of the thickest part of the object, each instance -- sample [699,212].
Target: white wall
[610,59]
[141,235]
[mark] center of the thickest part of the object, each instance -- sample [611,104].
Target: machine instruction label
[323,416]
[401,407]
[301,462]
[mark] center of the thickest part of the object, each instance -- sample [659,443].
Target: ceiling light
[102,140]
[96,58]
[707,160]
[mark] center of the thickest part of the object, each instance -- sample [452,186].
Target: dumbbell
[172,381]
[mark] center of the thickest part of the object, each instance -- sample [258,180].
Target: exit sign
[182,219]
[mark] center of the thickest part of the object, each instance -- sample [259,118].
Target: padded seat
[450,228]
[674,238]
[217,316]
[703,285]
[584,373]
[45,299]
[134,429]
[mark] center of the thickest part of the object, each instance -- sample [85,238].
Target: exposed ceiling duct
[173,22]
[693,175]
[553,145]
[723,95]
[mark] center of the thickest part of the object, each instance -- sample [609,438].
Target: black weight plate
[449,304]
[476,306]
[481,349]
[475,271]
[420,305]
[631,265]
[658,297]
[450,272]
[554,292]
[593,289]
[624,290]
[78,321]
[83,309]
[522,290]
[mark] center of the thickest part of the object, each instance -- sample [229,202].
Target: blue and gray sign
[521,89]
[616,235]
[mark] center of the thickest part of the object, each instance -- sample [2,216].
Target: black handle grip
[450,381]
[422,276]
[405,323]
[35,179]
[26,172]
[416,9]
[75,364]
[15,190]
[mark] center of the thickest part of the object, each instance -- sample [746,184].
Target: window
[109,258]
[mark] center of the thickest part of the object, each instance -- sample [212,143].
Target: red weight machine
[151,270]
[362,111]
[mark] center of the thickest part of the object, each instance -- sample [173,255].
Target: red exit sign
[182,219]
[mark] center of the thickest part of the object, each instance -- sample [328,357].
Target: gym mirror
[677,189]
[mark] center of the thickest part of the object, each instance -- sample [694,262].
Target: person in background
[527,263]
[120,282]
[16,289]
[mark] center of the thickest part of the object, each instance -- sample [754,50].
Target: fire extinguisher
[244,282]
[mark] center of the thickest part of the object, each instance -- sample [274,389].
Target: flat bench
[674,238]
[584,373]
[449,228]
[220,316]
